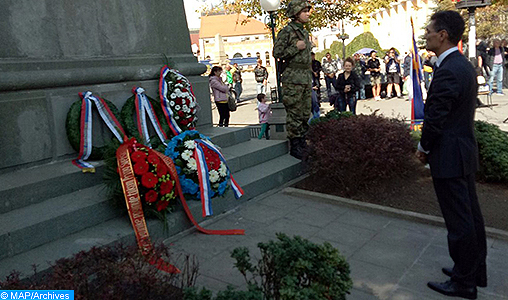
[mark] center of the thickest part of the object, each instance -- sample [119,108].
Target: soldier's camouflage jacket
[298,70]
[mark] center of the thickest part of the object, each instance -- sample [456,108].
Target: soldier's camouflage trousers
[297,101]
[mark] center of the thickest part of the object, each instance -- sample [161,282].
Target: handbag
[231,101]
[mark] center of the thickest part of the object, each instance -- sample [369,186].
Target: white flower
[172,103]
[177,117]
[214,176]
[173,95]
[189,144]
[192,165]
[222,169]
[192,104]
[177,107]
[187,154]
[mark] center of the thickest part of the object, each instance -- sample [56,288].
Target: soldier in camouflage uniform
[293,47]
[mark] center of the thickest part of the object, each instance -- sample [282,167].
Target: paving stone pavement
[390,258]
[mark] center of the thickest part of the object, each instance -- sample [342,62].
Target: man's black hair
[452,22]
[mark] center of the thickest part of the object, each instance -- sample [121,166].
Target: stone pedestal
[53,49]
[278,122]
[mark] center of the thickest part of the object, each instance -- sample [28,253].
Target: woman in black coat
[347,85]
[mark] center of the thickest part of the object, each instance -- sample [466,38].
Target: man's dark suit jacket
[448,129]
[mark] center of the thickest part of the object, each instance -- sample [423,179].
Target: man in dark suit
[449,145]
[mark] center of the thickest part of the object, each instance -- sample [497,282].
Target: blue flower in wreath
[181,149]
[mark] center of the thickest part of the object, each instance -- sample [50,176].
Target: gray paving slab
[390,258]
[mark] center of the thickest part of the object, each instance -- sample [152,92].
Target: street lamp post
[271,7]
[344,36]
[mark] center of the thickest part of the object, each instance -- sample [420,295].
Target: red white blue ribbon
[163,92]
[109,118]
[203,175]
[144,107]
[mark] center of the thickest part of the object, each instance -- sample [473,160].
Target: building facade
[250,39]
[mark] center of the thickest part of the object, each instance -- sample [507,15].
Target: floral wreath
[181,150]
[128,120]
[156,187]
[73,128]
[177,95]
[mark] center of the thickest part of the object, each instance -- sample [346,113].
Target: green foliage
[324,13]
[295,268]
[364,40]
[493,152]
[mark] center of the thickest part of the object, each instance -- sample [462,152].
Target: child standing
[264,113]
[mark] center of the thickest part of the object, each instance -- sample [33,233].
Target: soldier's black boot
[295,148]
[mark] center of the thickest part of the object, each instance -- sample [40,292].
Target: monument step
[37,224]
[255,180]
[33,225]
[24,187]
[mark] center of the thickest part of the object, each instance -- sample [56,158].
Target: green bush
[493,152]
[364,40]
[295,269]
[356,152]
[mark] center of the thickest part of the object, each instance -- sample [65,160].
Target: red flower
[138,155]
[149,180]
[181,114]
[161,170]
[151,196]
[184,90]
[141,167]
[178,101]
[166,187]
[162,205]
[153,159]
[184,122]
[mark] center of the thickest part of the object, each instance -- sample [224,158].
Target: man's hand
[301,45]
[421,157]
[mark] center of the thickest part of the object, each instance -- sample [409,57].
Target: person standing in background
[374,67]
[496,64]
[261,76]
[237,81]
[316,76]
[220,96]
[392,73]
[330,69]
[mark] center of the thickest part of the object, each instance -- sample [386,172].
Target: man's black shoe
[481,279]
[454,289]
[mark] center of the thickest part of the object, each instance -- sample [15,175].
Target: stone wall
[53,49]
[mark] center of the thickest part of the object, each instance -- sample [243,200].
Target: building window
[267,58]
[248,55]
[237,55]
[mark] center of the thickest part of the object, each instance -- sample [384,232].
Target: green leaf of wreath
[73,128]
[128,120]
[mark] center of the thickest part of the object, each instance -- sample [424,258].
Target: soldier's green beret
[295,6]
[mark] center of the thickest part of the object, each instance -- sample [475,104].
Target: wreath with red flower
[156,187]
[182,101]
